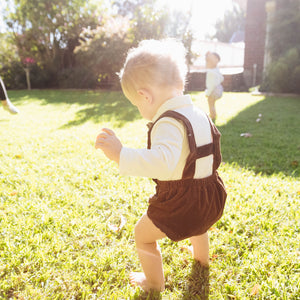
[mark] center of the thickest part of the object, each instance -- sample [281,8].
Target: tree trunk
[27,71]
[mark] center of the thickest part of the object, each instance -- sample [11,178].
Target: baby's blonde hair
[154,62]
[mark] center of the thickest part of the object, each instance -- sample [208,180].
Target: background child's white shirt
[169,145]
[213,79]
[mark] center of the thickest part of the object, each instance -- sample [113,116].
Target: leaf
[255,290]
[214,256]
[117,228]
[213,229]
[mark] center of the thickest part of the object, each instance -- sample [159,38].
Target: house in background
[242,63]
[258,24]
[231,64]
[255,36]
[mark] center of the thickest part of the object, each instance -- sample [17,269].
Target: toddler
[182,157]
[214,78]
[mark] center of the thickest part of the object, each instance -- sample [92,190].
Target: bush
[283,75]
[296,79]
[77,77]
[14,76]
[43,77]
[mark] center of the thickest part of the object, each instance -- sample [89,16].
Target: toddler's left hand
[108,142]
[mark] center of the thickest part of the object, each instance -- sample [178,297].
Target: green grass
[59,196]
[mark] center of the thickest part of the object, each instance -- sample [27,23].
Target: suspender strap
[195,152]
[217,145]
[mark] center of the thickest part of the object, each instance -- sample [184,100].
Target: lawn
[67,216]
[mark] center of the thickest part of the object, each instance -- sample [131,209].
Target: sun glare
[204,13]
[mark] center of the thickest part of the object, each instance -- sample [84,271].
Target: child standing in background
[5,101]
[182,157]
[214,78]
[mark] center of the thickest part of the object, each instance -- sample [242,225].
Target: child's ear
[145,94]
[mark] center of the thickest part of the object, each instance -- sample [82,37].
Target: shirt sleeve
[160,161]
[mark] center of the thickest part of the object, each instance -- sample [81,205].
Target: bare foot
[7,105]
[139,279]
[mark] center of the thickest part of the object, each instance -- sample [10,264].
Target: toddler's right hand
[108,142]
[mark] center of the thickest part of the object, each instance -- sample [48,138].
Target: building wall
[254,52]
[231,83]
[255,35]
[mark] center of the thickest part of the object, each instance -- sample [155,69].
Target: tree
[80,43]
[283,73]
[285,28]
[48,31]
[8,51]
[102,50]
[145,22]
[234,21]
[9,63]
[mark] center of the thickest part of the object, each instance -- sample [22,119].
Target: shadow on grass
[109,107]
[274,145]
[273,148]
[97,105]
[197,286]
[197,283]
[147,296]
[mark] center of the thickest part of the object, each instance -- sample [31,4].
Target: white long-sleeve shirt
[169,145]
[213,79]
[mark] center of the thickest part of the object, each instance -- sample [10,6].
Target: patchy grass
[60,200]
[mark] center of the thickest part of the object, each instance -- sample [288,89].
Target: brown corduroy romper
[188,207]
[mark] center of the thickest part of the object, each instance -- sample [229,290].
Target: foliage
[48,31]
[13,75]
[145,22]
[8,51]
[102,50]
[81,43]
[283,73]
[233,21]
[59,196]
[78,77]
[11,71]
[284,27]
[177,26]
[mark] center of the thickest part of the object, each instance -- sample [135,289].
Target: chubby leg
[200,248]
[146,236]
[212,109]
